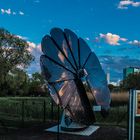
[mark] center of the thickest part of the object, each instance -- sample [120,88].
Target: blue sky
[110,27]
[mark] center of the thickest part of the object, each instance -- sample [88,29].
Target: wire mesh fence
[31,109]
[20,112]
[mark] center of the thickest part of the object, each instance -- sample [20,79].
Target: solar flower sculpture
[68,64]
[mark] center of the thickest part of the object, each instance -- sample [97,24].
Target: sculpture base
[73,127]
[68,125]
[86,132]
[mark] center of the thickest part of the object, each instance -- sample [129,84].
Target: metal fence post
[22,115]
[44,111]
[51,110]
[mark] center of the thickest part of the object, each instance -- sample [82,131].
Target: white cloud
[31,46]
[115,40]
[21,13]
[136,4]
[112,39]
[123,39]
[87,38]
[123,4]
[34,48]
[14,13]
[21,37]
[135,43]
[4,11]
[39,47]
[10,12]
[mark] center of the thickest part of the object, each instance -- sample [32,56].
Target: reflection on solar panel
[67,64]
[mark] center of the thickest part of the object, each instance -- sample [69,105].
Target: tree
[111,87]
[13,53]
[132,81]
[18,82]
[37,85]
[38,77]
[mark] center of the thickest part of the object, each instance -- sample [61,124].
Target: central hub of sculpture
[81,73]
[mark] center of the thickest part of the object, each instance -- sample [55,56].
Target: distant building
[108,78]
[130,70]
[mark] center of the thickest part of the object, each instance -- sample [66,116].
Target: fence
[22,112]
[18,112]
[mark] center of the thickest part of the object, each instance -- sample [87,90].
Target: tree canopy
[132,81]
[13,54]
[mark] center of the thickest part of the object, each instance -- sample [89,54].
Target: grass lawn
[33,109]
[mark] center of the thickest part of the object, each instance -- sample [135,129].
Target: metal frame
[137,92]
[132,112]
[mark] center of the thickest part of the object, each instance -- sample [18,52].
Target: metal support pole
[58,122]
[44,111]
[128,106]
[132,111]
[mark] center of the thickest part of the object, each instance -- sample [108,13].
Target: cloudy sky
[110,27]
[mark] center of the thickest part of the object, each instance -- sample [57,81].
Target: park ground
[27,118]
[39,133]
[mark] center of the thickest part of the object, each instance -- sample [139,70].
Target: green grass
[11,108]
[117,116]
[11,112]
